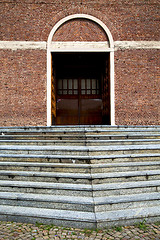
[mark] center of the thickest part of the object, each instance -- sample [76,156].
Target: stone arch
[109,49]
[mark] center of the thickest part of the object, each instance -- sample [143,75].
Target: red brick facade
[23,78]
[33,20]
[137,87]
[23,88]
[80,30]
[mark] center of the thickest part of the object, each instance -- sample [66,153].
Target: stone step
[79,168]
[129,176]
[50,188]
[55,177]
[83,137]
[82,127]
[80,178]
[80,203]
[81,190]
[48,216]
[80,159]
[80,142]
[125,188]
[80,150]
[127,216]
[77,219]
[111,203]
[47,201]
[77,130]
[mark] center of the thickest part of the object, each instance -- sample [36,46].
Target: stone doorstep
[80,175]
[80,200]
[80,187]
[117,215]
[80,126]
[83,129]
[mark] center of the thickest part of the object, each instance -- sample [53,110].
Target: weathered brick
[23,72]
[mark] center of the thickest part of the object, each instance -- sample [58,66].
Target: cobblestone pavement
[24,231]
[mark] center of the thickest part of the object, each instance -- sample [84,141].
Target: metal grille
[89,86]
[74,86]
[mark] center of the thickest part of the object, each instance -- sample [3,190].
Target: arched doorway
[80,79]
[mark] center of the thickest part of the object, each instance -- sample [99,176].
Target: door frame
[80,47]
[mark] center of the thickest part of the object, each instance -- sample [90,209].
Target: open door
[82,89]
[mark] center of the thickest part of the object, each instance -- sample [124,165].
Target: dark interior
[79,80]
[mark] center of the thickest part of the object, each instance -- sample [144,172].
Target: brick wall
[137,87]
[33,19]
[23,88]
[80,30]
[23,72]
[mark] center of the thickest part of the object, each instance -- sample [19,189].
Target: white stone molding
[15,45]
[79,46]
[136,45]
[112,92]
[49,87]
[92,46]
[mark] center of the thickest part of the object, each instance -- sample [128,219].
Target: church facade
[79,62]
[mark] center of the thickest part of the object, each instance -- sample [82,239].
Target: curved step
[101,177]
[80,142]
[129,216]
[80,159]
[43,215]
[96,178]
[77,218]
[81,136]
[81,150]
[80,203]
[96,190]
[79,168]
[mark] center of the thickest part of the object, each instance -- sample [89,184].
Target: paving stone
[22,231]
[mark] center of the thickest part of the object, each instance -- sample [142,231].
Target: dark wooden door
[79,101]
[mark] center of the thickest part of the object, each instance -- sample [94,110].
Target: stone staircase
[80,176]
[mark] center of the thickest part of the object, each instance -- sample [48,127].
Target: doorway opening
[80,89]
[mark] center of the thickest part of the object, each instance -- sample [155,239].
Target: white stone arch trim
[111,50]
[81,16]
